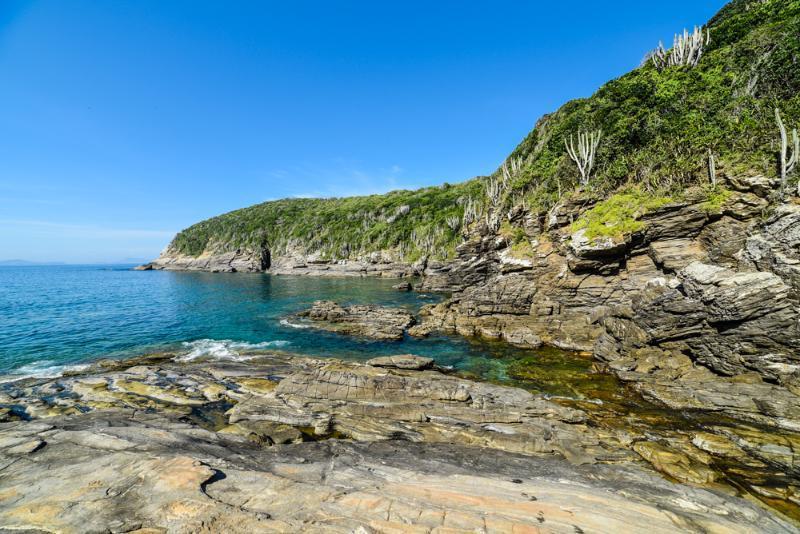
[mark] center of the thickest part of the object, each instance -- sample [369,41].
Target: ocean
[56,318]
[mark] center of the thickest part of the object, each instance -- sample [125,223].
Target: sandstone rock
[675,464]
[370,321]
[403,361]
[604,247]
[422,445]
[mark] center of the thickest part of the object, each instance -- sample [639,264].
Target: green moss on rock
[619,214]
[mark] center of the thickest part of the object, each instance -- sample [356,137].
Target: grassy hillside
[411,222]
[658,125]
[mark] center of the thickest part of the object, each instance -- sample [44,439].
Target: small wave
[225,349]
[41,369]
[285,322]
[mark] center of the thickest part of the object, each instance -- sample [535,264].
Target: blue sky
[122,122]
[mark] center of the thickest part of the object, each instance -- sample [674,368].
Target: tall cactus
[787,161]
[583,154]
[712,169]
[687,48]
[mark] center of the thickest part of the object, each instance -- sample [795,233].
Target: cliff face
[239,260]
[699,308]
[296,262]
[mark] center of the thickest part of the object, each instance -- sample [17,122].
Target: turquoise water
[57,316]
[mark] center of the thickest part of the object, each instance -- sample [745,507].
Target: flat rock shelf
[288,443]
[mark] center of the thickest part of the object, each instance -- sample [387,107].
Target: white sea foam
[285,322]
[41,369]
[226,349]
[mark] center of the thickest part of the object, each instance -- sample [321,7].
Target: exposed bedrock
[283,444]
[216,259]
[715,288]
[376,322]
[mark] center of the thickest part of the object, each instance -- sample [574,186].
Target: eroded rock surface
[375,322]
[283,444]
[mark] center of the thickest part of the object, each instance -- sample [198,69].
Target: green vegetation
[521,247]
[659,126]
[619,214]
[716,197]
[412,223]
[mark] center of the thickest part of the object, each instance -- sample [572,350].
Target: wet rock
[403,286]
[673,463]
[265,432]
[361,320]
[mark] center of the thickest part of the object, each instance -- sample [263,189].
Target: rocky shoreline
[285,443]
[698,311]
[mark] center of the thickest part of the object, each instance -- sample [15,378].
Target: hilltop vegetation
[426,221]
[659,126]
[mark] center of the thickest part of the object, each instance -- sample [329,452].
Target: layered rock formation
[295,262]
[215,260]
[699,309]
[376,322]
[281,444]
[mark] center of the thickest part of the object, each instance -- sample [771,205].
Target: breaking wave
[41,369]
[285,322]
[225,349]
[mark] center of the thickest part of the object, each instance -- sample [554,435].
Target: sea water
[54,318]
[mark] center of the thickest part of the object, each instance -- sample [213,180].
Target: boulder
[376,322]
[402,361]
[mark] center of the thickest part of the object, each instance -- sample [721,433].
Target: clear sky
[122,122]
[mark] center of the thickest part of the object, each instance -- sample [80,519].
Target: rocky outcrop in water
[218,261]
[284,444]
[376,322]
[295,262]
